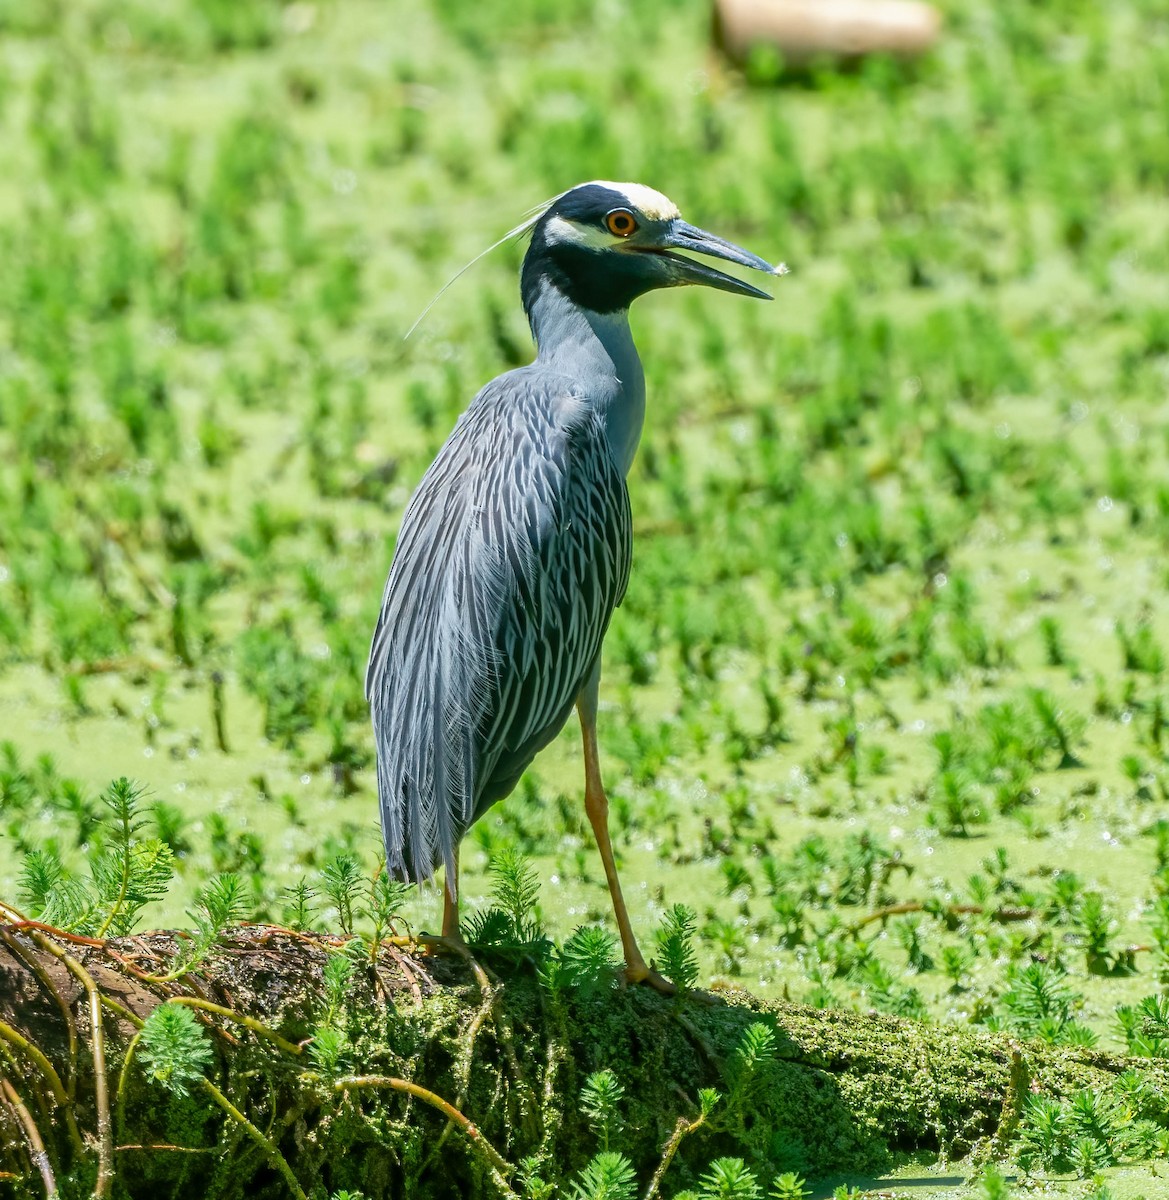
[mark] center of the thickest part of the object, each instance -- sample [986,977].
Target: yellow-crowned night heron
[515,549]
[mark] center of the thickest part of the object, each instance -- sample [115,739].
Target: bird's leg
[450,903]
[637,970]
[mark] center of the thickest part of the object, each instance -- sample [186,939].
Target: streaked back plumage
[513,553]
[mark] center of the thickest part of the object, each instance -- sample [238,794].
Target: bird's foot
[431,943]
[449,943]
[639,972]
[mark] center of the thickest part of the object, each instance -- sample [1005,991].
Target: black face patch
[603,281]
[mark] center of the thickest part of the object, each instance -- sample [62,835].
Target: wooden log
[451,1070]
[804,30]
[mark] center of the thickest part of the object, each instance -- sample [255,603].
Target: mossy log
[504,1052]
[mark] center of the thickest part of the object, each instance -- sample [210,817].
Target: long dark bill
[682,236]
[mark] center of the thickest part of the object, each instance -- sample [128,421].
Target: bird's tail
[425,769]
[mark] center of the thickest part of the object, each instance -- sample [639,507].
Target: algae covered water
[886,703]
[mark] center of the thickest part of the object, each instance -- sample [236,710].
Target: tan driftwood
[804,30]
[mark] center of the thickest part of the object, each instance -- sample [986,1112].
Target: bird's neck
[596,351]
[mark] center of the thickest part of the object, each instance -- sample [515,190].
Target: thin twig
[123,1077]
[681,1130]
[36,1147]
[1003,915]
[485,1009]
[105,1129]
[105,1137]
[243,1019]
[30,960]
[507,1038]
[500,1166]
[267,932]
[406,967]
[171,976]
[486,1006]
[63,934]
[269,1147]
[167,1146]
[56,1087]
[435,941]
[122,1011]
[80,940]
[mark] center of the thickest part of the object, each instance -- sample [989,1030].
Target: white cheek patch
[560,230]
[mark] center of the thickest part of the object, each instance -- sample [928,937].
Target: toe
[640,973]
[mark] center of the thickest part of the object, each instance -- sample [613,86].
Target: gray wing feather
[513,553]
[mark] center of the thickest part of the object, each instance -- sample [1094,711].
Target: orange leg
[450,904]
[597,807]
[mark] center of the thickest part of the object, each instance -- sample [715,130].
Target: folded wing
[513,553]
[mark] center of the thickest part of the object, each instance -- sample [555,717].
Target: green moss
[843,1092]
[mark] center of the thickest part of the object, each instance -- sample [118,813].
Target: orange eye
[621,222]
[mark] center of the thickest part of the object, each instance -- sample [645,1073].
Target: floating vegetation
[884,709]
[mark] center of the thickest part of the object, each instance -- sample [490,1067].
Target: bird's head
[604,244]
